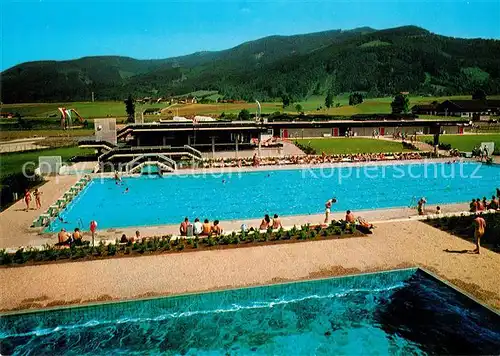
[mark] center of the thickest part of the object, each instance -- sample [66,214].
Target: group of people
[70,239]
[360,222]
[309,159]
[267,223]
[28,198]
[478,205]
[200,229]
[125,239]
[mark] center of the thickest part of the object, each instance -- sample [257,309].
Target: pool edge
[457,289]
[77,306]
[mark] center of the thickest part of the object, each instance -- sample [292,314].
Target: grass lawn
[89,110]
[352,145]
[465,142]
[17,134]
[13,162]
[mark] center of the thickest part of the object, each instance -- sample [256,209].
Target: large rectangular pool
[168,199]
[404,312]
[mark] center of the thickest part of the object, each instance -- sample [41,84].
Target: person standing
[421,206]
[328,207]
[38,200]
[93,228]
[27,199]
[479,229]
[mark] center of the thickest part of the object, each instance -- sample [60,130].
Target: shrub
[307,149]
[302,235]
[111,249]
[5,258]
[142,248]
[20,257]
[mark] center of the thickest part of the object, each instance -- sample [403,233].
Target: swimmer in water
[126,190]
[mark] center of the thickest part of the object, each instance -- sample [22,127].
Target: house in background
[471,109]
[425,109]
[152,111]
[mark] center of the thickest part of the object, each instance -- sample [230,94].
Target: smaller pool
[404,312]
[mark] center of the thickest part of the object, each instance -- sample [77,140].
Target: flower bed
[463,226]
[169,244]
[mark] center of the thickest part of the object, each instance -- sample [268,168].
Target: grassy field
[352,145]
[17,134]
[465,142]
[89,110]
[13,162]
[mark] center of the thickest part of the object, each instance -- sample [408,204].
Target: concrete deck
[393,245]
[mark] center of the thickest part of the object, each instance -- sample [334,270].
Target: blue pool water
[404,312]
[154,200]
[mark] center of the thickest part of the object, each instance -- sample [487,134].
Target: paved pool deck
[393,245]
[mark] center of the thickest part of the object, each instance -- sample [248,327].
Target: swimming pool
[395,312]
[154,200]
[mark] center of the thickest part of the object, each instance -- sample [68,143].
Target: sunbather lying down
[364,226]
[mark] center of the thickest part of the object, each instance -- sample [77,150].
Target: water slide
[66,116]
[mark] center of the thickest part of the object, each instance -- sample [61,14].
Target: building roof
[424,107]
[471,105]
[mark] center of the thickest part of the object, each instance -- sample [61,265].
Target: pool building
[169,142]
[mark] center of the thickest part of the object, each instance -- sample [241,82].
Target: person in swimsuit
[493,203]
[480,206]
[37,194]
[77,237]
[264,224]
[216,229]
[183,227]
[479,229]
[27,199]
[421,206]
[137,236]
[328,207]
[207,228]
[276,222]
[349,217]
[473,206]
[62,236]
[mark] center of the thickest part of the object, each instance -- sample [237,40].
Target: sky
[59,30]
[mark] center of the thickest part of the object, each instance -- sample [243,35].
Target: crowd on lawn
[309,159]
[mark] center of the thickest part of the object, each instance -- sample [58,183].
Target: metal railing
[163,160]
[194,151]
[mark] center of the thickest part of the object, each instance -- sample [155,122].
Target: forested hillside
[365,60]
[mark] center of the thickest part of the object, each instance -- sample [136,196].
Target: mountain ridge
[376,62]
